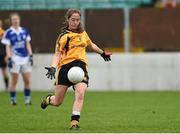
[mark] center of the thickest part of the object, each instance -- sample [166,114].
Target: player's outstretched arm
[56,59]
[105,55]
[52,70]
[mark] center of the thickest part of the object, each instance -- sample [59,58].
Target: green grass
[103,112]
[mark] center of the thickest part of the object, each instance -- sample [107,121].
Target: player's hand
[51,72]
[10,63]
[31,60]
[106,55]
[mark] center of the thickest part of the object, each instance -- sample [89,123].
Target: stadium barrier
[156,37]
[144,71]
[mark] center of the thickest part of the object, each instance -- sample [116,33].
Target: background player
[71,51]
[3,61]
[19,53]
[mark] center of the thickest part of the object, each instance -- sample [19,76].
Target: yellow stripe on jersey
[72,46]
[56,76]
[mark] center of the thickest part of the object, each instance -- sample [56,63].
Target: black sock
[75,117]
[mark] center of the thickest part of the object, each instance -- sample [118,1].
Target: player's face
[15,20]
[74,21]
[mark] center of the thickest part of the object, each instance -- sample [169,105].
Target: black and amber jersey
[2,46]
[72,46]
[1,33]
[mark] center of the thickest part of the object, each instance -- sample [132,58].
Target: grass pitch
[103,112]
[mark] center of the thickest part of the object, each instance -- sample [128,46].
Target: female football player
[19,53]
[3,63]
[71,51]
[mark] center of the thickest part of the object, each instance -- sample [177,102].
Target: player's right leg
[14,79]
[3,67]
[13,83]
[62,85]
[57,99]
[5,76]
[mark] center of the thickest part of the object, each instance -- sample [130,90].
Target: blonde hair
[13,14]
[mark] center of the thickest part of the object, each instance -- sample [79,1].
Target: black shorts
[62,78]
[2,61]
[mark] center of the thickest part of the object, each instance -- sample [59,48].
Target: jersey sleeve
[1,33]
[6,39]
[61,42]
[89,42]
[28,37]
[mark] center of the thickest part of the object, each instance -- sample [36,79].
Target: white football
[75,74]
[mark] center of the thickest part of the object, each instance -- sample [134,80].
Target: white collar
[16,31]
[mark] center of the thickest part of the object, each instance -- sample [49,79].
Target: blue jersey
[17,40]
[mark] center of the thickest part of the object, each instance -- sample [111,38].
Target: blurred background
[144,36]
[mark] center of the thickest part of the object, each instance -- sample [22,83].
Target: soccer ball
[75,75]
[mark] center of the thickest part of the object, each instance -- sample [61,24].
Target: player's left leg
[57,99]
[26,72]
[80,90]
[27,91]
